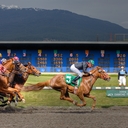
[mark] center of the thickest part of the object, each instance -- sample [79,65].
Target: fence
[112,92]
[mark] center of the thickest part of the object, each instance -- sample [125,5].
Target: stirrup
[73,82]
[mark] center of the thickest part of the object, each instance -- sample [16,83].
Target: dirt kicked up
[63,117]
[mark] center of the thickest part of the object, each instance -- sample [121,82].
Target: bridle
[33,72]
[102,74]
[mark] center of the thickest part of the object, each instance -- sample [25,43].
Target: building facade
[58,56]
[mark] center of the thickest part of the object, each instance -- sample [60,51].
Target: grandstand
[57,56]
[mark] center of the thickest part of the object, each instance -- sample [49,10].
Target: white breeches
[75,70]
[122,80]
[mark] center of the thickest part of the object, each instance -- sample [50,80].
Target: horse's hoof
[8,102]
[92,109]
[23,100]
[74,102]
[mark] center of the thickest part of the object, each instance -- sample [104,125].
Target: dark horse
[58,83]
[19,81]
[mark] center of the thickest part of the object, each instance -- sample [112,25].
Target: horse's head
[22,68]
[32,70]
[100,73]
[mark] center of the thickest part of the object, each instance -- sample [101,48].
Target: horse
[19,81]
[9,64]
[4,73]
[4,88]
[58,83]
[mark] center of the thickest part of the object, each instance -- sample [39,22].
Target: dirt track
[60,117]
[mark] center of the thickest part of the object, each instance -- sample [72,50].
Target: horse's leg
[11,96]
[81,97]
[19,96]
[1,98]
[94,100]
[65,96]
[68,99]
[18,93]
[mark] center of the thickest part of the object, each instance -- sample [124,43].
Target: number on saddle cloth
[69,78]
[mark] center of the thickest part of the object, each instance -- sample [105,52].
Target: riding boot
[75,79]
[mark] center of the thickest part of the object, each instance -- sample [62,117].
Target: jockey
[3,60]
[17,63]
[16,58]
[80,66]
[12,74]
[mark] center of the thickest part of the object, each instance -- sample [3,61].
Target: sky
[115,11]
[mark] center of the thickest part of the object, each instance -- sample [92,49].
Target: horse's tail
[36,87]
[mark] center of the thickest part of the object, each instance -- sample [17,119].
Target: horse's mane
[93,70]
[7,62]
[25,65]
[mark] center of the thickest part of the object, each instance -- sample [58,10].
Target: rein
[103,76]
[92,76]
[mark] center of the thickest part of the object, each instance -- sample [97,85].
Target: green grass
[52,97]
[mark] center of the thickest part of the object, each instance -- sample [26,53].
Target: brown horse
[58,83]
[19,81]
[3,74]
[4,88]
[9,64]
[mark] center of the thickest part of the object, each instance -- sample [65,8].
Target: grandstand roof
[64,44]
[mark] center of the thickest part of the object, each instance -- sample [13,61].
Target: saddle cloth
[2,68]
[69,78]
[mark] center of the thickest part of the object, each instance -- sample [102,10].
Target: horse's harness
[93,76]
[101,71]
[33,72]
